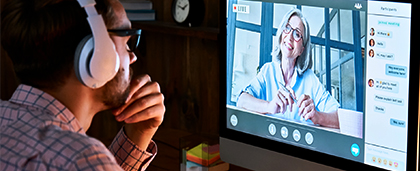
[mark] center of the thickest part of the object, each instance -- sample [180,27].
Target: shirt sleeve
[257,86]
[323,100]
[128,155]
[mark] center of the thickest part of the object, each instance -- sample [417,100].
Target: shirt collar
[280,77]
[31,96]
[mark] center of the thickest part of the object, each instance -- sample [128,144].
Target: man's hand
[143,111]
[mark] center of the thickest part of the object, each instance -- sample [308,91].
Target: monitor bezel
[315,156]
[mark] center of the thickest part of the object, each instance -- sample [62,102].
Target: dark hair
[41,36]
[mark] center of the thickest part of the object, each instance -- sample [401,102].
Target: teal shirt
[266,84]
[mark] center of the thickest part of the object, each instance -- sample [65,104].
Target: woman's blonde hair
[304,61]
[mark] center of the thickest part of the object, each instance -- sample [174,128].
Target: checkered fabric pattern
[40,133]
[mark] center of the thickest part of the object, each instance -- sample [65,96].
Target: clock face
[182,8]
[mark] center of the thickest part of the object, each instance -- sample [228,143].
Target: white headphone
[96,61]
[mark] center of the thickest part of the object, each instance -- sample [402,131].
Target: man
[43,125]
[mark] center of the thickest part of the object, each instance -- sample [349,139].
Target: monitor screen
[330,77]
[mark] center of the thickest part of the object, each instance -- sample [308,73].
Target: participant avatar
[371,42]
[372,31]
[371,53]
[371,83]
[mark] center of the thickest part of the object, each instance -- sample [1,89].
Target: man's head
[41,37]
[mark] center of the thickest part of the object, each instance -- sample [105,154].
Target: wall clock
[188,12]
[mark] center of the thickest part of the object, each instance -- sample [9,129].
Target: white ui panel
[387,63]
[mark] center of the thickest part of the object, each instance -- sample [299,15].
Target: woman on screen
[287,87]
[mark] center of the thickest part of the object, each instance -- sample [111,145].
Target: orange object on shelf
[199,155]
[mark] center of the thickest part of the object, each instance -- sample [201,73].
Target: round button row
[309,138]
[283,131]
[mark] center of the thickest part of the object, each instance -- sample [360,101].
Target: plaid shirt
[40,133]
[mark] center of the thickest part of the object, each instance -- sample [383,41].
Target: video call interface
[328,77]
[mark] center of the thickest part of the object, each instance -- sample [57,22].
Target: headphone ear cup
[96,59]
[82,57]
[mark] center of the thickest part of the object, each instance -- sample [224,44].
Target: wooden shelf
[168,156]
[210,33]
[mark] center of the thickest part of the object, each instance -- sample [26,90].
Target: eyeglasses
[296,33]
[134,40]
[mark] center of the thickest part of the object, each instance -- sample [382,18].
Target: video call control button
[272,129]
[233,120]
[309,138]
[284,132]
[296,135]
[355,150]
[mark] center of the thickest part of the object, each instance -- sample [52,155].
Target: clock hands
[183,6]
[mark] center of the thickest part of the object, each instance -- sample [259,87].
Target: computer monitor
[319,85]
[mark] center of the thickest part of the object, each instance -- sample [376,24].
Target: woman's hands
[143,111]
[308,111]
[284,99]
[281,101]
[307,108]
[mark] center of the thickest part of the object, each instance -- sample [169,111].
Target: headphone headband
[84,3]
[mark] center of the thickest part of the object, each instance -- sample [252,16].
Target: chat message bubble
[396,71]
[385,34]
[380,44]
[379,109]
[398,123]
[387,99]
[383,55]
[385,85]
